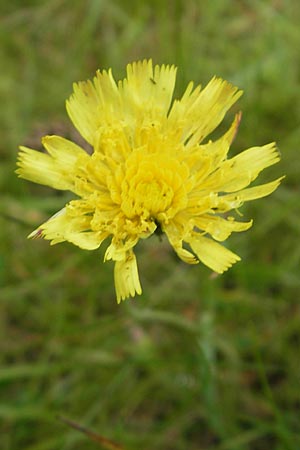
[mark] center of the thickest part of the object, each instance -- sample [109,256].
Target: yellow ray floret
[126,277]
[153,168]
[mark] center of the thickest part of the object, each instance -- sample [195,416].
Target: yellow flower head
[150,170]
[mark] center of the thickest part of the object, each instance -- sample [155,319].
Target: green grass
[197,362]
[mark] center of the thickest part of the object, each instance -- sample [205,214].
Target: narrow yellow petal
[235,200]
[245,167]
[238,172]
[185,255]
[212,254]
[82,109]
[127,281]
[217,150]
[147,89]
[39,231]
[63,150]
[205,112]
[55,169]
[175,238]
[41,168]
[118,248]
[220,228]
[63,227]
[93,104]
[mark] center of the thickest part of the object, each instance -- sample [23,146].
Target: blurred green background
[197,362]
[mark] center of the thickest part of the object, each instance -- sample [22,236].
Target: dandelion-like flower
[150,170]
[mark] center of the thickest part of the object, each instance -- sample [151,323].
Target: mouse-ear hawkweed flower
[151,170]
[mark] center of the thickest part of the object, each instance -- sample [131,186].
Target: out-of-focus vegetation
[198,362]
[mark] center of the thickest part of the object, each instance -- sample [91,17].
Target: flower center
[153,187]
